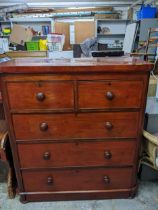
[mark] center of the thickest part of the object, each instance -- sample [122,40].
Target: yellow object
[42,44]
[6,31]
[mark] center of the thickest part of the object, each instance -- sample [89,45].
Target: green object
[32,46]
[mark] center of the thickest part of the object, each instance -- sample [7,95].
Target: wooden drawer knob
[49,180]
[107,155]
[43,126]
[108,125]
[106,180]
[40,96]
[109,95]
[46,156]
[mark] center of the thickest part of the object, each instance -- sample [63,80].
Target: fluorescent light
[78,4]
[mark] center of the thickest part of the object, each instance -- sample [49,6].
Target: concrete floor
[147,199]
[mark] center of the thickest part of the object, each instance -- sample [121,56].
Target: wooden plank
[21,54]
[44,10]
[84,30]
[84,10]
[64,28]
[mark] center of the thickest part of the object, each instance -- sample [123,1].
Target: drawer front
[77,154]
[79,179]
[81,126]
[41,95]
[112,94]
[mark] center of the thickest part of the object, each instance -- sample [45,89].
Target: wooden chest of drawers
[75,126]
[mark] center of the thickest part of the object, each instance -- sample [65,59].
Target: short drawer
[71,126]
[77,180]
[110,94]
[109,153]
[41,95]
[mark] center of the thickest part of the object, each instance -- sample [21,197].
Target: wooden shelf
[29,20]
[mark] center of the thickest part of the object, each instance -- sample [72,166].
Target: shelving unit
[35,23]
[116,34]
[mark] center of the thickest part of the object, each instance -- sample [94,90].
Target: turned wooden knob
[46,156]
[109,95]
[107,155]
[106,180]
[49,180]
[44,126]
[108,125]
[40,96]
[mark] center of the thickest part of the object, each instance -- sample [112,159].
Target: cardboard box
[20,34]
[152,86]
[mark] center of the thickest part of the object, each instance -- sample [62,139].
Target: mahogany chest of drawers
[75,126]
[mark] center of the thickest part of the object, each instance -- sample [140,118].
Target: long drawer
[110,94]
[81,126]
[77,180]
[109,153]
[41,95]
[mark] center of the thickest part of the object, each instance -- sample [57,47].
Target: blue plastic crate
[146,12]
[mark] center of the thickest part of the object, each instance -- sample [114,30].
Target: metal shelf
[111,35]
[114,20]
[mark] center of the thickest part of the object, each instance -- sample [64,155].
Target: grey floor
[147,199]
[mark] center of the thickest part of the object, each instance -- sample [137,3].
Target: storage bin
[32,46]
[146,12]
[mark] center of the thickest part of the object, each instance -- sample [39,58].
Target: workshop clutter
[55,42]
[4,45]
[25,37]
[37,45]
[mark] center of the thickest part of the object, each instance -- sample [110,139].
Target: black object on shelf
[108,53]
[98,29]
[77,51]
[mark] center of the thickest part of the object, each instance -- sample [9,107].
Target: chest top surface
[40,65]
